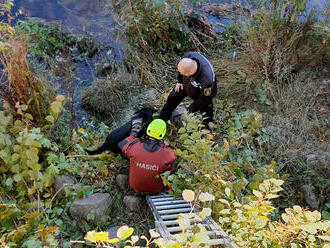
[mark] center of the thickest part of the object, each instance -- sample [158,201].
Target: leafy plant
[248,223]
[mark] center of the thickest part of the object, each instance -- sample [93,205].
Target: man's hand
[178,86]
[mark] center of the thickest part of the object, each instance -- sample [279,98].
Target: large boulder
[132,203]
[63,183]
[150,96]
[95,204]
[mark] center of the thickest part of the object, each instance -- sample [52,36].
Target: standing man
[149,158]
[197,80]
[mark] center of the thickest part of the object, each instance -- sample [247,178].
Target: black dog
[112,140]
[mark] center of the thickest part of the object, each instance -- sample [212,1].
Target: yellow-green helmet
[157,129]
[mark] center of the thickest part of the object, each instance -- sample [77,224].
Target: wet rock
[122,181]
[132,203]
[113,232]
[179,115]
[62,182]
[309,196]
[95,204]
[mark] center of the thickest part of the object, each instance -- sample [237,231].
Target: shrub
[156,24]
[276,41]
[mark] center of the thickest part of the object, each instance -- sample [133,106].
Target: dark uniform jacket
[147,160]
[201,86]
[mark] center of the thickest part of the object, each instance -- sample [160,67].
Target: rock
[318,160]
[113,232]
[62,182]
[309,196]
[97,203]
[311,159]
[179,115]
[122,181]
[150,96]
[132,203]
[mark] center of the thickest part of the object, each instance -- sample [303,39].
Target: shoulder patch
[207,91]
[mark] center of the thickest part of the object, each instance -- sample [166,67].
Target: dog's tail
[99,150]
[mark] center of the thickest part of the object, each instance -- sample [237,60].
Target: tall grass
[21,85]
[275,44]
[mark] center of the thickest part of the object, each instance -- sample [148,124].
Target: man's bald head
[187,67]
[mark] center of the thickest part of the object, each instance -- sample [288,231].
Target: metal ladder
[166,209]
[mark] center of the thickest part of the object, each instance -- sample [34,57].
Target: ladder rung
[159,196]
[174,222]
[178,228]
[169,202]
[216,242]
[173,206]
[209,233]
[174,211]
[162,199]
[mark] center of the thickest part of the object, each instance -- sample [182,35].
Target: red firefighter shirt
[147,160]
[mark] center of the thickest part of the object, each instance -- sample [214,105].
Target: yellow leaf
[60,98]
[124,232]
[97,236]
[183,221]
[298,209]
[225,144]
[188,195]
[205,197]
[271,196]
[206,212]
[200,238]
[81,130]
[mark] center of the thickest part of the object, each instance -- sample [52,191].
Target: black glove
[136,126]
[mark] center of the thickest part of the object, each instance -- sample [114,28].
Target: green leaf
[29,116]
[124,232]
[31,155]
[55,108]
[32,244]
[17,177]
[50,119]
[326,215]
[9,182]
